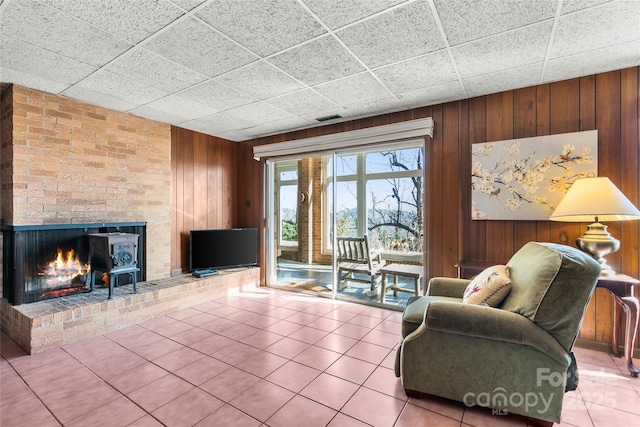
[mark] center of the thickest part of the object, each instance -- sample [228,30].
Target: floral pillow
[490,287]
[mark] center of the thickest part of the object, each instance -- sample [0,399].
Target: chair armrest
[375,254]
[447,287]
[493,324]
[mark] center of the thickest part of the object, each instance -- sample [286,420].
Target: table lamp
[596,199]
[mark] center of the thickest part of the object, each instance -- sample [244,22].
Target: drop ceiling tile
[234,136]
[198,47]
[503,80]
[19,77]
[217,123]
[439,94]
[44,26]
[131,20]
[569,6]
[337,13]
[593,62]
[465,21]
[399,34]
[278,126]
[317,61]
[96,98]
[372,107]
[362,87]
[260,112]
[592,36]
[265,27]
[115,86]
[303,102]
[504,51]
[188,4]
[317,114]
[175,109]
[418,73]
[34,61]
[605,25]
[154,70]
[260,80]
[216,95]
[152,114]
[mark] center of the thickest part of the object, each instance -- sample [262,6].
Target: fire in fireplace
[50,261]
[61,276]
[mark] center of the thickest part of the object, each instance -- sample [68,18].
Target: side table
[621,288]
[412,271]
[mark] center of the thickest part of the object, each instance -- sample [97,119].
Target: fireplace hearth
[51,261]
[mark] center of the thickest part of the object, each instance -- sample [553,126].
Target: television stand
[204,272]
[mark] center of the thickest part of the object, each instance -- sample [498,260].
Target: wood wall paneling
[436,187]
[203,189]
[499,127]
[464,158]
[474,247]
[448,246]
[524,126]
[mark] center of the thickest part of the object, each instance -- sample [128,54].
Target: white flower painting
[525,179]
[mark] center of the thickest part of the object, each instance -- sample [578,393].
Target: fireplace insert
[50,261]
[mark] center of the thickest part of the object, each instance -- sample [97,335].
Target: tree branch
[395,224]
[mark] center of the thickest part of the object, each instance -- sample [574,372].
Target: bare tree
[401,215]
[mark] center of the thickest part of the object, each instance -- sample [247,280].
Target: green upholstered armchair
[515,357]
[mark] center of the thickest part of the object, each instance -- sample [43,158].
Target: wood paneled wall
[607,102]
[203,188]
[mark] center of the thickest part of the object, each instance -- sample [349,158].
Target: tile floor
[263,358]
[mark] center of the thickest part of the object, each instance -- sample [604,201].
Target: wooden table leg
[383,286]
[621,288]
[615,345]
[630,306]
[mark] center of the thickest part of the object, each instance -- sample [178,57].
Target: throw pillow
[489,287]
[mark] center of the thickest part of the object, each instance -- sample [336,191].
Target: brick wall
[6,150]
[6,154]
[71,162]
[317,201]
[305,212]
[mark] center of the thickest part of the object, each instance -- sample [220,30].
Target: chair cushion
[489,287]
[551,286]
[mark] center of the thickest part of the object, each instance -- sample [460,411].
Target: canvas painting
[525,178]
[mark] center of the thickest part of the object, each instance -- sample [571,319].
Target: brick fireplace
[67,162]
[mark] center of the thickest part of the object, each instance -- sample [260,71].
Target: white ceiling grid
[240,69]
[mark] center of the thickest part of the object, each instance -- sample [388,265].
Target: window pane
[347,165]
[395,160]
[288,175]
[288,213]
[394,213]
[347,209]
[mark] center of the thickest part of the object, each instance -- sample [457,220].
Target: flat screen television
[223,248]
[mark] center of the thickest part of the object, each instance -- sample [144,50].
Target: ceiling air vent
[327,118]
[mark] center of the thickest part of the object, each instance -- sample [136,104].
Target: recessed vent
[327,118]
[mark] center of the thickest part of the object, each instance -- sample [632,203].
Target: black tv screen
[223,248]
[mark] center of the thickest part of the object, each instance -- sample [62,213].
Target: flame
[64,269]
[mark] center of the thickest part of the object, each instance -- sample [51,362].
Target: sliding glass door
[317,200]
[294,208]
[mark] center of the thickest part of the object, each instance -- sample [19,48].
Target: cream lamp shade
[596,199]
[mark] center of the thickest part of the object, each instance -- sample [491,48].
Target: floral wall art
[525,179]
